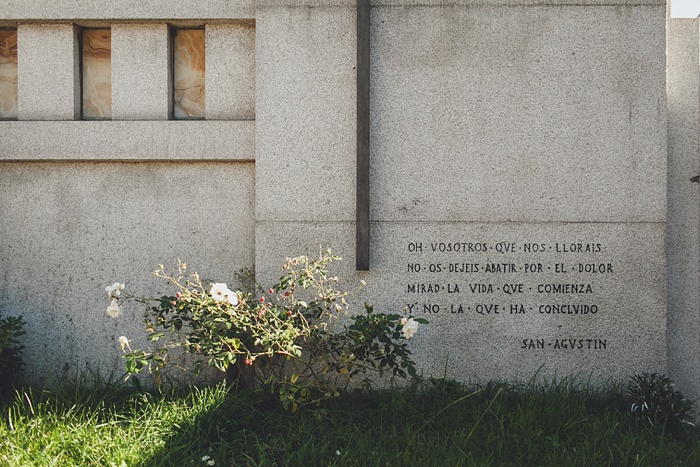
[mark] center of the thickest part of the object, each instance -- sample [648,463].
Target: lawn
[433,423]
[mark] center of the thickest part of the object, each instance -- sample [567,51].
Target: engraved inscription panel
[499,280]
[506,299]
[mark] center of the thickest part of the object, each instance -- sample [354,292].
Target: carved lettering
[547,281]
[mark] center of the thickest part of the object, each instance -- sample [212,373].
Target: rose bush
[287,339]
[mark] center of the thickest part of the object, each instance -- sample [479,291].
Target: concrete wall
[683,205]
[87,203]
[141,88]
[514,143]
[42,95]
[13,11]
[70,229]
[501,124]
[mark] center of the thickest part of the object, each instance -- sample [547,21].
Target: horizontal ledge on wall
[210,140]
[106,23]
[70,10]
[463,3]
[521,3]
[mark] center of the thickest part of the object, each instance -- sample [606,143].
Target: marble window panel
[97,74]
[8,74]
[188,74]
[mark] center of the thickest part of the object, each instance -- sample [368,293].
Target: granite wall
[99,183]
[683,207]
[519,169]
[518,174]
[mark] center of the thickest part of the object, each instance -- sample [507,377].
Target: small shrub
[285,338]
[654,400]
[11,365]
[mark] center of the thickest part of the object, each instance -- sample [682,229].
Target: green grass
[434,423]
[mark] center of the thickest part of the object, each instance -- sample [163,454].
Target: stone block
[518,176]
[70,230]
[141,74]
[529,114]
[127,140]
[181,10]
[305,113]
[505,301]
[683,205]
[47,72]
[230,71]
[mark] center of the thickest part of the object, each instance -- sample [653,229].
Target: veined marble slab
[8,73]
[97,74]
[188,74]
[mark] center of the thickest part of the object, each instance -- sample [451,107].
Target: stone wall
[519,196]
[683,240]
[518,174]
[87,203]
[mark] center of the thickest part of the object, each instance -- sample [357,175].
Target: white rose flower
[114,290]
[124,343]
[232,298]
[409,327]
[219,292]
[113,309]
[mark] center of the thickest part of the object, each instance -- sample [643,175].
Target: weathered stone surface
[230,72]
[518,176]
[305,114]
[47,72]
[127,140]
[141,84]
[508,300]
[683,204]
[522,114]
[70,230]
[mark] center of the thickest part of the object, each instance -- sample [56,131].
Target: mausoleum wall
[522,196]
[517,174]
[683,240]
[92,198]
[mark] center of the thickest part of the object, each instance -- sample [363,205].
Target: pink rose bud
[271,290]
[262,299]
[178,295]
[173,303]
